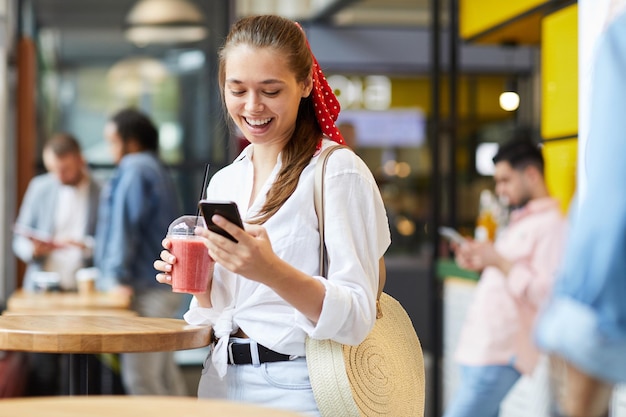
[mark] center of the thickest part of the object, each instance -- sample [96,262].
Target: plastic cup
[190,273]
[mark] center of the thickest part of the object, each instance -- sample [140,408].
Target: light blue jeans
[481,390]
[281,385]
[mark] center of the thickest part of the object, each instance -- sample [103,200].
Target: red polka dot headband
[324,101]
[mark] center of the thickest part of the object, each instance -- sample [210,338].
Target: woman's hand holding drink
[185,263]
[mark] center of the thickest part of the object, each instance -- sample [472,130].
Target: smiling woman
[266,293]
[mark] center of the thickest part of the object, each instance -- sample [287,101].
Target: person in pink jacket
[517,271]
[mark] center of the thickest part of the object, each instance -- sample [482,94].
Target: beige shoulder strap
[320,170]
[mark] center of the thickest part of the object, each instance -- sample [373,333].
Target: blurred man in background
[57,220]
[54,235]
[136,208]
[517,271]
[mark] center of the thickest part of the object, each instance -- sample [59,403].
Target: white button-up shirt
[357,235]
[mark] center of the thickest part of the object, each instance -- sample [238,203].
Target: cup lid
[87,274]
[185,225]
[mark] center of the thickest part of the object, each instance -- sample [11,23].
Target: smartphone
[226,209]
[452,235]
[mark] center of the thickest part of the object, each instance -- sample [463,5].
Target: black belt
[240,354]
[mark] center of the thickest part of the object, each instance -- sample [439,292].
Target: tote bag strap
[320,170]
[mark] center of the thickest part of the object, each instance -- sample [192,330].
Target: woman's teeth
[258,122]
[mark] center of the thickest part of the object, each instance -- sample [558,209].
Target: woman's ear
[307,86]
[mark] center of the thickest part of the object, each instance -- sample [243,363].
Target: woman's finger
[164,278]
[167,257]
[235,231]
[162,266]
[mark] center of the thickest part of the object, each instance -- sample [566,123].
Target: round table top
[131,406]
[24,300]
[97,334]
[103,312]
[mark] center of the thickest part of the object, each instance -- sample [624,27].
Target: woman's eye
[237,93]
[271,93]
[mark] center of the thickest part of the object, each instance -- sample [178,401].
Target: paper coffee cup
[86,280]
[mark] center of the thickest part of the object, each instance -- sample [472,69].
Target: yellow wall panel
[526,31]
[479,99]
[560,158]
[477,16]
[559,73]
[411,92]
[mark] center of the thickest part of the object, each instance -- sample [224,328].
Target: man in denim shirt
[136,207]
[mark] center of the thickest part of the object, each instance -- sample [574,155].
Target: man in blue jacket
[136,207]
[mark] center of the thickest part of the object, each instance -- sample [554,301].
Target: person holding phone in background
[136,205]
[266,295]
[517,271]
[57,219]
[54,233]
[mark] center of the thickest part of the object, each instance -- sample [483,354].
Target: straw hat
[383,376]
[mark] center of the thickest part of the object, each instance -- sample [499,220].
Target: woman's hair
[287,39]
[131,124]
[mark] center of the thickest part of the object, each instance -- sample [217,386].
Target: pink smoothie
[190,273]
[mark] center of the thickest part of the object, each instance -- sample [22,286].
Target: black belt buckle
[240,354]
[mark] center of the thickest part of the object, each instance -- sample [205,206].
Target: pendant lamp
[164,22]
[509,98]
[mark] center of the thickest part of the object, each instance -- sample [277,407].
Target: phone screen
[226,209]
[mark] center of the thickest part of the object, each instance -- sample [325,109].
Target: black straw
[205,183]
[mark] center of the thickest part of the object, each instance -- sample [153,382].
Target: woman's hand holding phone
[225,209]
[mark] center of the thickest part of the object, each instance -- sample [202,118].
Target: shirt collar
[248,151]
[535,206]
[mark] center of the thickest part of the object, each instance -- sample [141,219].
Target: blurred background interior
[420,84]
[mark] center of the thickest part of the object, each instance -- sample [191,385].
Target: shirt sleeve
[596,256]
[356,236]
[22,246]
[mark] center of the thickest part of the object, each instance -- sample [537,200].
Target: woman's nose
[253,103]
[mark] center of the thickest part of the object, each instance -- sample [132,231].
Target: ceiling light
[509,99]
[132,77]
[165,22]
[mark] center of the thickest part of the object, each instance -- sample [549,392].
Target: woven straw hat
[383,376]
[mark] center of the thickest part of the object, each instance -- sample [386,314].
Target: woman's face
[262,95]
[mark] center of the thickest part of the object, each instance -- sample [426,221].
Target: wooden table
[101,312]
[123,406]
[85,334]
[31,301]
[94,334]
[92,372]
